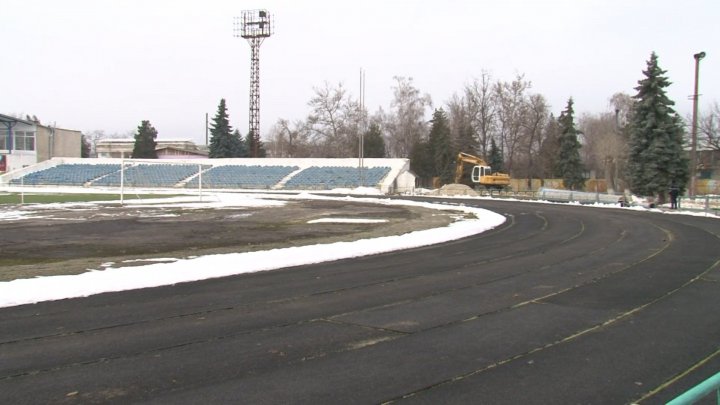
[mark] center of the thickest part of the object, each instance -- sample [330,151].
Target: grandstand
[237,176]
[386,175]
[330,177]
[71,174]
[148,175]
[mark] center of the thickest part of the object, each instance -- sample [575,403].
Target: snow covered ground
[168,271]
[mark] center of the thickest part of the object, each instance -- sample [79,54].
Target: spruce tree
[421,161]
[549,147]
[373,142]
[465,140]
[656,159]
[441,147]
[145,144]
[240,149]
[568,165]
[495,160]
[221,135]
[255,146]
[85,146]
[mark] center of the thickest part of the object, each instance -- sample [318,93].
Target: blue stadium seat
[326,178]
[67,175]
[246,177]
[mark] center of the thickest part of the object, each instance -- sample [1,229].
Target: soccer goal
[137,174]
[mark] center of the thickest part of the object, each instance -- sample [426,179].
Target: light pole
[693,150]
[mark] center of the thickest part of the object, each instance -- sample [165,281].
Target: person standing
[674,192]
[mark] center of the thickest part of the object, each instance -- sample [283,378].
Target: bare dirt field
[62,241]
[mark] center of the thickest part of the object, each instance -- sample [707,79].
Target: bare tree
[93,137]
[511,105]
[288,140]
[622,106]
[461,130]
[605,147]
[535,120]
[406,124]
[709,128]
[482,108]
[334,122]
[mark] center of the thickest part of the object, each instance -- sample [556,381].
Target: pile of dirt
[455,189]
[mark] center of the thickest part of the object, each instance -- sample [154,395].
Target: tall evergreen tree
[569,165]
[421,161]
[374,143]
[85,146]
[145,144]
[240,149]
[221,135]
[254,146]
[465,140]
[441,147]
[656,160]
[549,147]
[495,159]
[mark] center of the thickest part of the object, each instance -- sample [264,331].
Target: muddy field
[61,241]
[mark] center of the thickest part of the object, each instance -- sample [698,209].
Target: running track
[561,304]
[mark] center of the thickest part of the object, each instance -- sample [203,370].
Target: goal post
[153,174]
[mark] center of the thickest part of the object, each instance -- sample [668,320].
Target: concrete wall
[594,185]
[57,142]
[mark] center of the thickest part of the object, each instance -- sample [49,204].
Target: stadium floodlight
[254,26]
[693,147]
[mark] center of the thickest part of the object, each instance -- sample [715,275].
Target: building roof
[9,119]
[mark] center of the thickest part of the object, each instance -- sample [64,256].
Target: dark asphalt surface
[559,305]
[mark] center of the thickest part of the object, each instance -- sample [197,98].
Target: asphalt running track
[561,304]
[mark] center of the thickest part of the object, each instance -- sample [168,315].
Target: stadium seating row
[336,177]
[67,174]
[221,176]
[235,176]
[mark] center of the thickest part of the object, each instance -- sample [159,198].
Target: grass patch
[30,198]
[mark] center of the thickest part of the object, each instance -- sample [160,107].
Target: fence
[699,392]
[709,204]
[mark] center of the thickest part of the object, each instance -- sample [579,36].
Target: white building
[25,142]
[166,149]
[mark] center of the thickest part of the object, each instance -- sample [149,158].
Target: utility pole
[254,26]
[693,150]
[361,137]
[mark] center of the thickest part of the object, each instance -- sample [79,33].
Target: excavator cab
[478,172]
[481,175]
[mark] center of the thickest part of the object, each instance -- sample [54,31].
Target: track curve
[560,304]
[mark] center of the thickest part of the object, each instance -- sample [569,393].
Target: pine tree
[373,142]
[568,165]
[145,144]
[440,147]
[656,160]
[221,139]
[465,140]
[255,146]
[240,149]
[421,161]
[85,146]
[549,148]
[495,160]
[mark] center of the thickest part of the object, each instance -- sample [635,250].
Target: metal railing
[699,392]
[710,204]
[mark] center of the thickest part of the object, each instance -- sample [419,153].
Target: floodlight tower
[255,26]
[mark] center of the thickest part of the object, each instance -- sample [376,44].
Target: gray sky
[107,65]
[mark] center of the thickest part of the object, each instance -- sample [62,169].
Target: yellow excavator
[482,175]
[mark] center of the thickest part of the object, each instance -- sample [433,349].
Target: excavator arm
[481,172]
[466,158]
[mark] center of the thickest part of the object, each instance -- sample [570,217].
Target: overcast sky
[107,65]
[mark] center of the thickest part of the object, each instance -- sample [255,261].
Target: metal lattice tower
[255,26]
